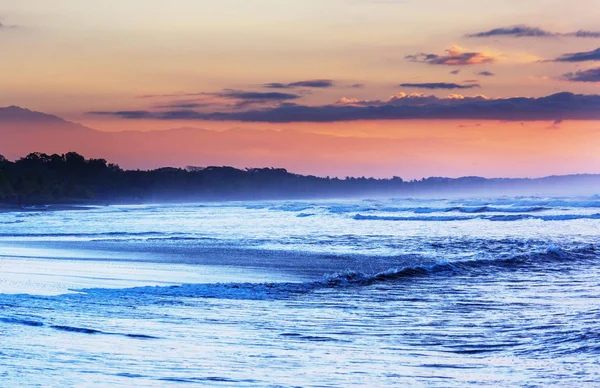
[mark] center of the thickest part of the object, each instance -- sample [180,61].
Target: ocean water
[489,292]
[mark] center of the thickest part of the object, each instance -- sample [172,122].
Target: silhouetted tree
[41,178]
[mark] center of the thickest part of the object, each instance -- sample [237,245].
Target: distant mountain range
[17,115]
[14,118]
[24,131]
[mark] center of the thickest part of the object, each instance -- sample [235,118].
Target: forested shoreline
[70,178]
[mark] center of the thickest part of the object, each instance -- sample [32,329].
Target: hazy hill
[15,119]
[23,131]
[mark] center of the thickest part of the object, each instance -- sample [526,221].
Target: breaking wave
[503,217]
[268,291]
[461,209]
[466,207]
[536,202]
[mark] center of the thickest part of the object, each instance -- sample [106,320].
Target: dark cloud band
[591,75]
[584,56]
[525,31]
[242,95]
[317,83]
[560,106]
[439,85]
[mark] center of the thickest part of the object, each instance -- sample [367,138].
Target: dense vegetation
[70,178]
[41,178]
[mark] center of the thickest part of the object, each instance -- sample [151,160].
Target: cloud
[231,94]
[591,75]
[174,95]
[191,105]
[525,31]
[4,26]
[584,56]
[409,99]
[560,106]
[316,83]
[357,86]
[239,99]
[585,34]
[455,56]
[486,74]
[243,95]
[349,101]
[455,72]
[440,85]
[126,114]
[226,99]
[277,85]
[518,31]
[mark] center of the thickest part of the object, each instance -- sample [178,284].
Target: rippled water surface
[482,292]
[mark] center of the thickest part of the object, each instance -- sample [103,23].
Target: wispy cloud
[268,96]
[486,74]
[231,94]
[518,31]
[585,34]
[226,99]
[455,56]
[591,75]
[5,26]
[316,83]
[439,85]
[191,105]
[125,114]
[167,95]
[525,31]
[583,56]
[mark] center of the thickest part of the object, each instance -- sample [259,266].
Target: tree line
[71,178]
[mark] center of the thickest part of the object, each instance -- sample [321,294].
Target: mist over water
[453,292]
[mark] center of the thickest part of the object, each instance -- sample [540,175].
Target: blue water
[405,292]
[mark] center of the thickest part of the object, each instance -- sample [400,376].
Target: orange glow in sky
[335,87]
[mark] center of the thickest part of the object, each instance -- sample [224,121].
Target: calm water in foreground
[449,293]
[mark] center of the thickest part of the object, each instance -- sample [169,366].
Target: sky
[499,88]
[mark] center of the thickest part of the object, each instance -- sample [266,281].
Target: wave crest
[267,291]
[497,217]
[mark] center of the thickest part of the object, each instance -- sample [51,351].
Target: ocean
[485,292]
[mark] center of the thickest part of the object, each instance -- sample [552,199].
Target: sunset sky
[394,87]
